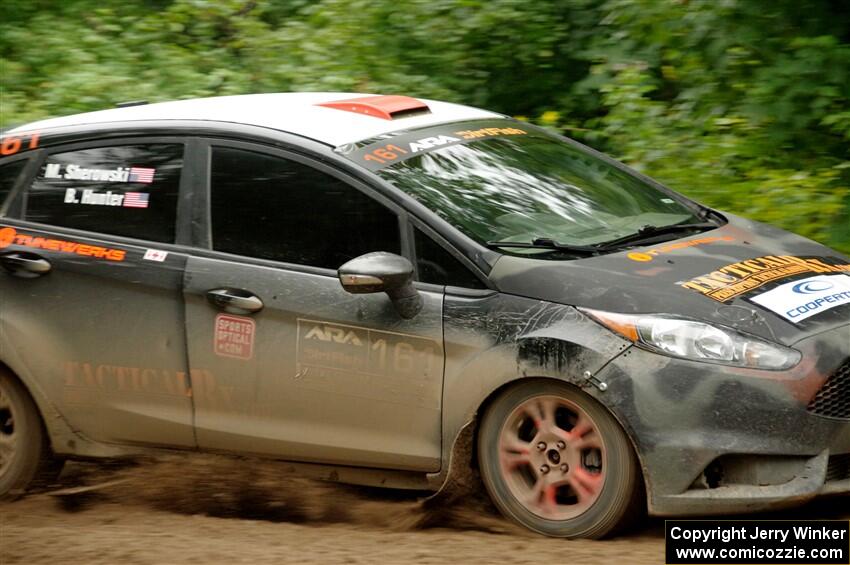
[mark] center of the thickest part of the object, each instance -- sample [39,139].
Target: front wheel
[25,457]
[555,461]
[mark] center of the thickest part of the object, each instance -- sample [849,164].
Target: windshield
[518,184]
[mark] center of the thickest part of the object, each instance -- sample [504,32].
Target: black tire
[27,460]
[617,502]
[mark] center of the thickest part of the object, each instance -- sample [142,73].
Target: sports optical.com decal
[395,149]
[119,174]
[233,336]
[108,198]
[652,253]
[798,300]
[10,236]
[736,279]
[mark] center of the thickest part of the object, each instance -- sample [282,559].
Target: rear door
[286,362]
[91,285]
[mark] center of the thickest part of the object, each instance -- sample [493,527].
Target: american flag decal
[136,199]
[141,174]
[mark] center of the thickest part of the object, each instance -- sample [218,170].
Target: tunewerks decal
[10,236]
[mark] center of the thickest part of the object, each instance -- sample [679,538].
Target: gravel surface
[206,509]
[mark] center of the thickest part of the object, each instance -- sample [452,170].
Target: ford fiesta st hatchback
[391,291]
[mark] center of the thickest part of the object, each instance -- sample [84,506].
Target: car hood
[721,276]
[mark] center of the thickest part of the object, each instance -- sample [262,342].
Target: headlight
[698,341]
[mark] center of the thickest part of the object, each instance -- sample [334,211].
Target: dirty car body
[350,283]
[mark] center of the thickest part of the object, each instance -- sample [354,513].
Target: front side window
[126,190]
[437,266]
[272,208]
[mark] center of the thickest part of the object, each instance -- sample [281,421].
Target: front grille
[838,468]
[833,399]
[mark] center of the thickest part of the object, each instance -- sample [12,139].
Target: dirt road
[205,509]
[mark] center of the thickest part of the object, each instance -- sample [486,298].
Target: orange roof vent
[385,107]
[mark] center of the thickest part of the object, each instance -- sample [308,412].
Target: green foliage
[730,162]
[742,105]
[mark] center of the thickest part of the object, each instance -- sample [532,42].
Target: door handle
[25,265]
[234,300]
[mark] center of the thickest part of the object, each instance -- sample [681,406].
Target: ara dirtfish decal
[390,150]
[795,301]
[331,347]
[367,363]
[733,280]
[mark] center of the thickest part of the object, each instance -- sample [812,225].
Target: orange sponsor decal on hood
[10,236]
[650,254]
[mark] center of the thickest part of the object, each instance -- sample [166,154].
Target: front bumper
[713,439]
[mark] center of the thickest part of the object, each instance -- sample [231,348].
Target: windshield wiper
[645,233]
[649,232]
[547,243]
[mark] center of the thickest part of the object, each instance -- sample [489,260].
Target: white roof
[296,113]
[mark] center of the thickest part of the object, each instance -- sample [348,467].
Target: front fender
[495,340]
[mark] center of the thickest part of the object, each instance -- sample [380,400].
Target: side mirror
[383,272]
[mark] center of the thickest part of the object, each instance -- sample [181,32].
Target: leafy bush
[744,106]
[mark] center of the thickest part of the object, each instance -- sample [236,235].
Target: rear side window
[9,173]
[127,190]
[438,266]
[272,208]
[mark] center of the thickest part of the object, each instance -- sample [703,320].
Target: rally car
[386,290]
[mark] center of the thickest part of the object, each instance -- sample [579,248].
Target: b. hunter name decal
[731,281]
[108,198]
